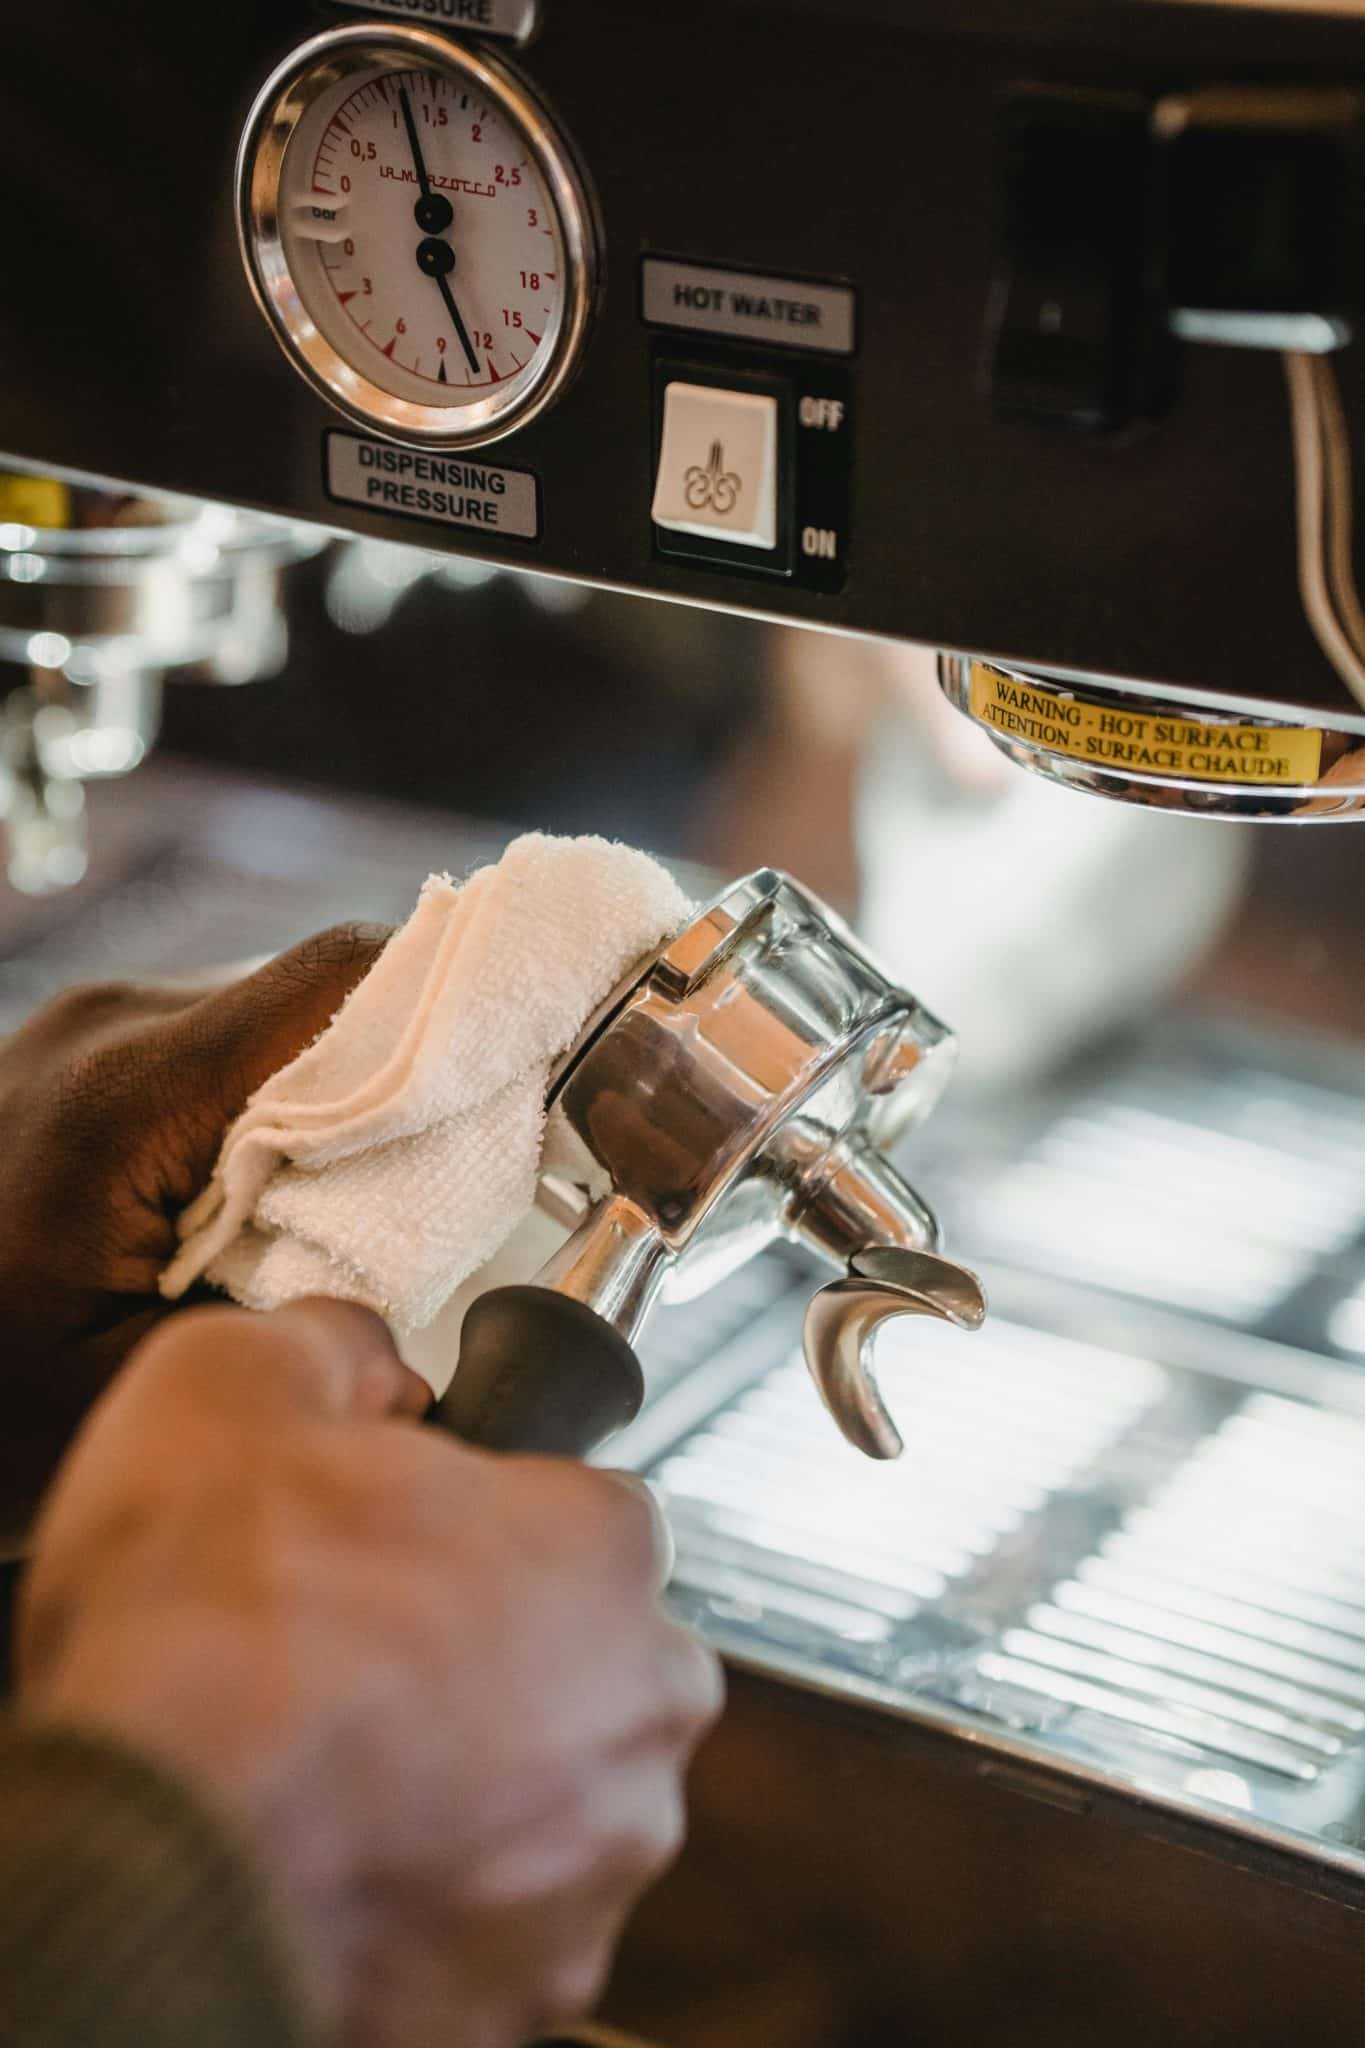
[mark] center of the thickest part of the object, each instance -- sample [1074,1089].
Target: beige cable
[1340,503]
[1325,514]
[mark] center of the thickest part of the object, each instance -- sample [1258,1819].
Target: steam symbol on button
[715,485]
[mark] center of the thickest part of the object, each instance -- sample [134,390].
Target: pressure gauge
[417,233]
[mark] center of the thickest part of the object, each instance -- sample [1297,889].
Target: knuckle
[570,1512]
[688,1686]
[82,1115]
[700,1682]
[664,1841]
[653,1840]
[89,1034]
[89,1084]
[632,1523]
[574,1982]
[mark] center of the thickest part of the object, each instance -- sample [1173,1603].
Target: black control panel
[864,271]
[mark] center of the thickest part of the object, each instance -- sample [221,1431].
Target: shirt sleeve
[129,1918]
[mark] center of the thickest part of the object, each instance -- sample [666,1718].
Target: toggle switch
[1078,337]
[718,465]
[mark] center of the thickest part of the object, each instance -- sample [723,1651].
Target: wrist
[126,1908]
[178,1696]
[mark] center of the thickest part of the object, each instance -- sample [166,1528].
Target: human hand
[433,1689]
[113,1104]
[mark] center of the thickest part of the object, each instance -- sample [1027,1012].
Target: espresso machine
[1025,335]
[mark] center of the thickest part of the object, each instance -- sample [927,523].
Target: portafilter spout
[843,1319]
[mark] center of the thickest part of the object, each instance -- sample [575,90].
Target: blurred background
[383,676]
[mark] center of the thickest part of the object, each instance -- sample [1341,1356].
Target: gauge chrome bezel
[316,66]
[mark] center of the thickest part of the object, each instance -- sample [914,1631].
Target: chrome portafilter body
[740,1090]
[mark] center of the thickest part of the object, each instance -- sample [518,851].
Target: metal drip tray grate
[1241,1633]
[782,1525]
[1111,1559]
[1197,1181]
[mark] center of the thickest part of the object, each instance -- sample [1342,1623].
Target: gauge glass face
[422,237]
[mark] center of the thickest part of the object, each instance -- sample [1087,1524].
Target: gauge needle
[436,259]
[433,213]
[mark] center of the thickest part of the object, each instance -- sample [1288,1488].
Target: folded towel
[390,1161]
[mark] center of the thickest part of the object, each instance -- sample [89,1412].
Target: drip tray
[1109,1559]
[1126,1537]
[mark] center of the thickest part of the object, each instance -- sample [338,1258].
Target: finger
[632,1523]
[232,1040]
[664,1550]
[325,1360]
[91,1013]
[692,1678]
[352,1346]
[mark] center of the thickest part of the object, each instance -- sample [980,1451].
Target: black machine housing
[956,165]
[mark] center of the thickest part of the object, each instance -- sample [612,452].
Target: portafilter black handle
[541,1372]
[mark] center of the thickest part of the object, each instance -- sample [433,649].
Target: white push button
[718,465]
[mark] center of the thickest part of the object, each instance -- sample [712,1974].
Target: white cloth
[399,1153]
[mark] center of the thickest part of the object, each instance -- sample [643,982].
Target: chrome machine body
[1025,333]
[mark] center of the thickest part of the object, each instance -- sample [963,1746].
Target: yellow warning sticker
[1133,742]
[33,501]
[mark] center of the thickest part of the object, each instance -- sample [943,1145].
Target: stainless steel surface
[729,1098]
[615,1263]
[281,104]
[101,599]
[169,584]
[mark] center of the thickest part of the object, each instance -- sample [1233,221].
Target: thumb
[227,1044]
[314,1359]
[334,1359]
[338,1358]
[210,1376]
